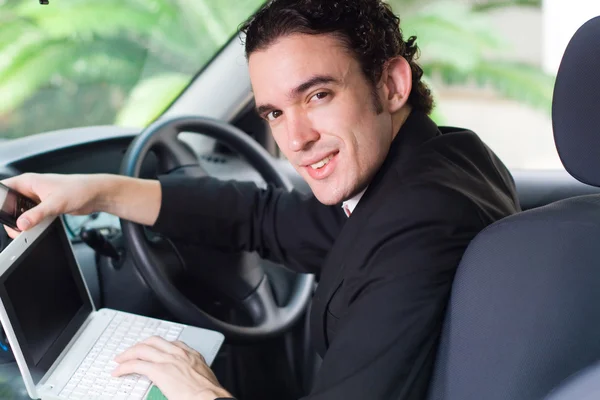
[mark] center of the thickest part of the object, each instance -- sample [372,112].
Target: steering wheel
[268,318]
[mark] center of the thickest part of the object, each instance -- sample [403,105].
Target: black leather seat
[524,314]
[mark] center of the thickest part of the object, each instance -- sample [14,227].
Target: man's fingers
[34,216]
[136,367]
[31,217]
[144,352]
[11,232]
[157,359]
[164,346]
[22,184]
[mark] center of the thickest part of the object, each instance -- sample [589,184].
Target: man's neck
[399,118]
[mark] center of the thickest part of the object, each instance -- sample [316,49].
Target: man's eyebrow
[314,81]
[261,110]
[297,91]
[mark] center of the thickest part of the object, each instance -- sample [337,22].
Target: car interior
[521,322]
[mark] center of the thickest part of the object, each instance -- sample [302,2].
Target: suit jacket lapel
[417,129]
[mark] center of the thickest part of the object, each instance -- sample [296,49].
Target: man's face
[322,113]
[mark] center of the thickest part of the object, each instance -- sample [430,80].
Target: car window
[75,63]
[492,64]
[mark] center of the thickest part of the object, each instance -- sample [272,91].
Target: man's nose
[301,133]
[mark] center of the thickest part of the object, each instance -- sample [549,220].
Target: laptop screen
[45,299]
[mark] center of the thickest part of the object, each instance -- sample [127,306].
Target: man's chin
[327,194]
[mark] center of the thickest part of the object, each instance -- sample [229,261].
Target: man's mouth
[322,163]
[323,168]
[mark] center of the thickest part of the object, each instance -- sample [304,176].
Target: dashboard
[86,150]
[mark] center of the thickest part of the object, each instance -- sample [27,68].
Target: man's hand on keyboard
[176,369]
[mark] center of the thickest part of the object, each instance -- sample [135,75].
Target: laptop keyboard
[93,379]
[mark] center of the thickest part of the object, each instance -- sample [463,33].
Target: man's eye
[320,95]
[273,115]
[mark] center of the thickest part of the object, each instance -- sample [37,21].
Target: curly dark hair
[369,29]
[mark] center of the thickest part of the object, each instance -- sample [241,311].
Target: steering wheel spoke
[261,306]
[174,153]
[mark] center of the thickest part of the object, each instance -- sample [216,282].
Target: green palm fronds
[147,49]
[457,46]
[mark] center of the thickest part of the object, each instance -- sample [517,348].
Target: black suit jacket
[384,273]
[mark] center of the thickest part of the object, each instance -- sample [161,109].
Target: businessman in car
[395,200]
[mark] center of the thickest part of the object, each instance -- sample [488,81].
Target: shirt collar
[353,202]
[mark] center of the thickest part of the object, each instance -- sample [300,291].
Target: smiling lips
[323,168]
[322,163]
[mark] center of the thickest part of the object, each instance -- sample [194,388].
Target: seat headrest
[576,105]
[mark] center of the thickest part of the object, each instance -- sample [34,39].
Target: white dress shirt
[349,205]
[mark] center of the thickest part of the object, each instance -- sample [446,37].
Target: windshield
[79,63]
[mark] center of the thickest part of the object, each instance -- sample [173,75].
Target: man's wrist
[133,199]
[107,190]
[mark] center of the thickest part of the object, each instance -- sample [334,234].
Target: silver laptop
[64,347]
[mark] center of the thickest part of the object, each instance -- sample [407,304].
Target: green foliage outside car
[78,62]
[457,45]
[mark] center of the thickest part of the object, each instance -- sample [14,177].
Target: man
[343,95]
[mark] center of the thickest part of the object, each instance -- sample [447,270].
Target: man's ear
[396,80]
